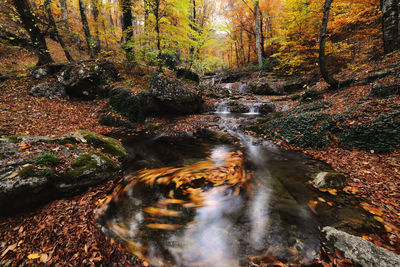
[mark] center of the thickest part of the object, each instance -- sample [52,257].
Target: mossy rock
[329,180]
[87,170]
[28,171]
[14,138]
[106,144]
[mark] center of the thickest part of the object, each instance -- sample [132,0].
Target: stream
[194,202]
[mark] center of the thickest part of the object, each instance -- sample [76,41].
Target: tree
[322,58]
[95,13]
[390,25]
[128,30]
[53,26]
[257,30]
[30,25]
[86,29]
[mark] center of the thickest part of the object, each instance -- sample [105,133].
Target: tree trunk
[322,58]
[86,29]
[53,26]
[95,13]
[37,38]
[262,36]
[257,30]
[127,29]
[64,10]
[390,25]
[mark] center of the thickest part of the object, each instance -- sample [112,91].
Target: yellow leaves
[33,256]
[312,205]
[351,190]
[163,226]
[161,212]
[332,192]
[371,209]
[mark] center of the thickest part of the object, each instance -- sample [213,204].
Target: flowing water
[200,203]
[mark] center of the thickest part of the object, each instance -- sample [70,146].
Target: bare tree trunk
[257,30]
[390,25]
[86,29]
[53,26]
[322,58]
[37,38]
[262,35]
[95,13]
[127,30]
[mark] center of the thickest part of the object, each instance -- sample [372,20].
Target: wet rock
[214,134]
[188,74]
[41,72]
[329,180]
[49,90]
[359,250]
[88,79]
[173,96]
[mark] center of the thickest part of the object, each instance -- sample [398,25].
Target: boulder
[359,250]
[265,87]
[44,71]
[188,74]
[87,170]
[382,91]
[30,179]
[49,90]
[173,95]
[329,180]
[88,79]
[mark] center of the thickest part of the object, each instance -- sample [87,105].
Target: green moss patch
[28,171]
[106,144]
[47,159]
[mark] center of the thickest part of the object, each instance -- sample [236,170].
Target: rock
[3,78]
[88,79]
[265,87]
[329,180]
[87,170]
[173,96]
[106,144]
[188,74]
[27,180]
[214,134]
[134,107]
[49,90]
[359,250]
[382,91]
[44,71]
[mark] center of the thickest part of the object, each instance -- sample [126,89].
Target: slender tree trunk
[322,58]
[390,25]
[257,30]
[249,48]
[193,21]
[127,29]
[95,13]
[64,10]
[156,11]
[86,29]
[37,38]
[262,35]
[53,26]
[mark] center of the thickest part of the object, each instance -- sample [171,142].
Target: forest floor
[64,232]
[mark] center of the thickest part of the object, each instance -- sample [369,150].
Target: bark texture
[128,30]
[86,29]
[257,30]
[390,25]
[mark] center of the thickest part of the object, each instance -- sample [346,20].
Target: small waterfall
[228,87]
[254,109]
[222,108]
[242,88]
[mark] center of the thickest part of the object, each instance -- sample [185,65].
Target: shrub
[47,159]
[268,65]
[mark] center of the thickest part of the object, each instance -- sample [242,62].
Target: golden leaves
[161,212]
[371,209]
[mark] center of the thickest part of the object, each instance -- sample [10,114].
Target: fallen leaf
[9,248]
[33,256]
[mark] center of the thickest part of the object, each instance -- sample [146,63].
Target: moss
[47,159]
[14,138]
[87,162]
[28,171]
[66,140]
[106,144]
[2,156]
[46,172]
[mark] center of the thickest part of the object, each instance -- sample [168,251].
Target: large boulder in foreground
[88,79]
[49,90]
[36,169]
[265,87]
[173,95]
[359,250]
